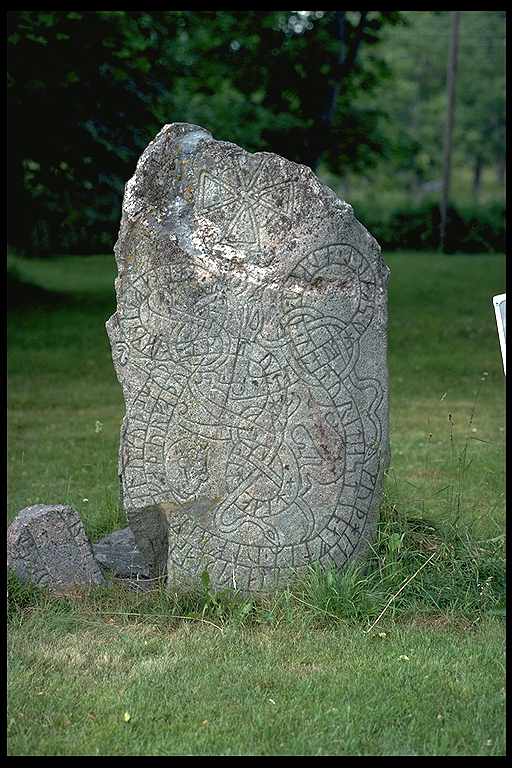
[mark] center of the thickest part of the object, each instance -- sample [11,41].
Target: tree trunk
[347,56]
[17,203]
[500,171]
[477,178]
[450,113]
[328,115]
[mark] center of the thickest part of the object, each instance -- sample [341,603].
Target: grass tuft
[445,571]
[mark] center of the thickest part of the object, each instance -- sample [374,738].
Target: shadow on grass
[27,296]
[23,295]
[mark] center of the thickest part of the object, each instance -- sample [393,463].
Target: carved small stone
[47,545]
[250,342]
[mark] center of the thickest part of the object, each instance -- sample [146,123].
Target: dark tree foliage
[81,88]
[88,90]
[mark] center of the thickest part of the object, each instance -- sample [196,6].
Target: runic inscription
[255,432]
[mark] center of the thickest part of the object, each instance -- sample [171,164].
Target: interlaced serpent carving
[263,435]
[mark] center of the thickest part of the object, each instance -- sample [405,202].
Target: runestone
[250,341]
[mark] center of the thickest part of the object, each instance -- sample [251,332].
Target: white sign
[500,303]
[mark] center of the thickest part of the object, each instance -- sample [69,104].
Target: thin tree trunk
[500,171]
[346,60]
[477,178]
[335,87]
[447,159]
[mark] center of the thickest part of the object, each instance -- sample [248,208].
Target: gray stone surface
[119,554]
[250,342]
[47,545]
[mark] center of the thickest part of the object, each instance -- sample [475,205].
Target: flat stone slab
[118,553]
[47,545]
[250,341]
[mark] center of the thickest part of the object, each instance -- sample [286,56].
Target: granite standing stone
[250,343]
[47,545]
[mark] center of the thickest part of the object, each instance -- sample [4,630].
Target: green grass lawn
[300,673]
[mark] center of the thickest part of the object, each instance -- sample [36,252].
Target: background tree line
[357,95]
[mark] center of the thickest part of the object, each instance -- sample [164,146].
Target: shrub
[470,229]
